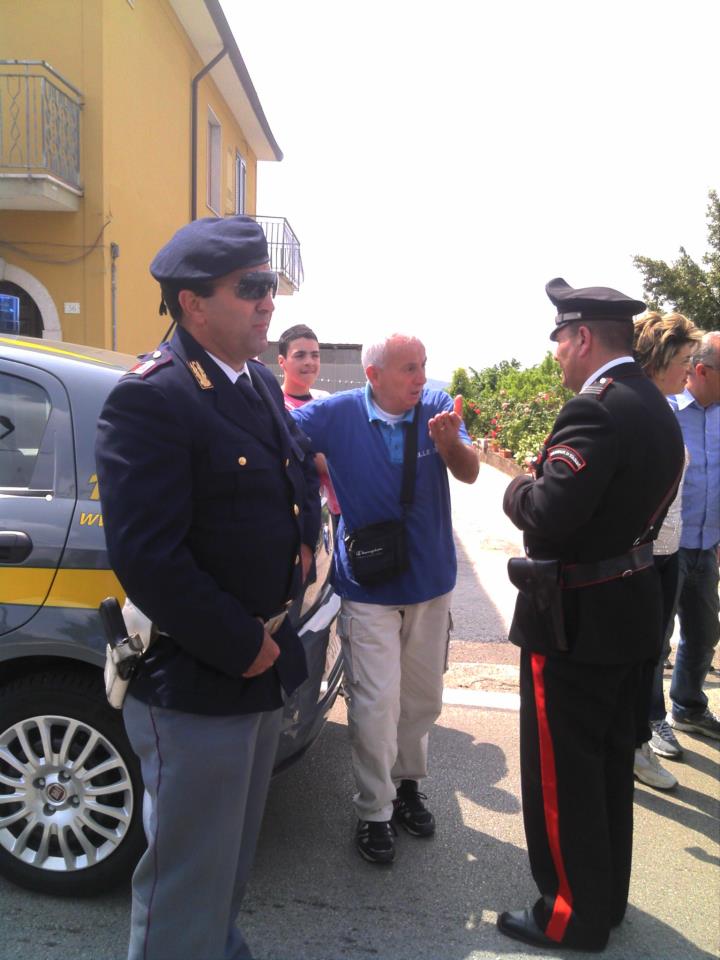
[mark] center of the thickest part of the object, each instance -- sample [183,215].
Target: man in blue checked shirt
[698,412]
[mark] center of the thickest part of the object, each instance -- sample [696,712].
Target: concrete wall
[340,367]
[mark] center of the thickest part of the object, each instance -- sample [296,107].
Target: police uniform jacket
[613,454]
[205,507]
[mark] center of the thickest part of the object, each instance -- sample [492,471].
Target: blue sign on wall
[9,313]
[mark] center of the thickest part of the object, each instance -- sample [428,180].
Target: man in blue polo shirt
[395,633]
[698,412]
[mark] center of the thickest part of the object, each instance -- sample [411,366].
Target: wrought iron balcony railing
[39,122]
[284,249]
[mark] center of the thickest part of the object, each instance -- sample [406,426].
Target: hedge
[513,406]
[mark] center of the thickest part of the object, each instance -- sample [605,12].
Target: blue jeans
[699,613]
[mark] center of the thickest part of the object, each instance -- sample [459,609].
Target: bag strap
[407,493]
[665,501]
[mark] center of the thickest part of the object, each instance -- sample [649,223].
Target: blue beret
[589,303]
[210,248]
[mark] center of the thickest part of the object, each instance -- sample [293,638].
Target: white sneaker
[648,770]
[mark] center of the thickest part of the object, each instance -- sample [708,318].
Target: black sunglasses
[256,285]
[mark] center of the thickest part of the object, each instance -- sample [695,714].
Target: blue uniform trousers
[206,780]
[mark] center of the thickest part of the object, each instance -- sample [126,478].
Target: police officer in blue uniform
[211,513]
[587,617]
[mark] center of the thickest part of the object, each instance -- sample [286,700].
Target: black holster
[539,581]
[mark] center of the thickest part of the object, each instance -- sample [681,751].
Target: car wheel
[70,787]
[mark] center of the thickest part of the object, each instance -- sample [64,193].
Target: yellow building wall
[232,142]
[134,66]
[149,67]
[150,64]
[66,34]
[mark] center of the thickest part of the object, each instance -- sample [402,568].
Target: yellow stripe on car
[26,585]
[57,350]
[84,588]
[78,589]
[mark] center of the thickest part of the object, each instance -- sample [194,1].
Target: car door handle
[15,546]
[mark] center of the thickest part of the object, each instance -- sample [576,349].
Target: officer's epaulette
[149,362]
[599,388]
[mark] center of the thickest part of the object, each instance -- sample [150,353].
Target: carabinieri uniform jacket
[612,456]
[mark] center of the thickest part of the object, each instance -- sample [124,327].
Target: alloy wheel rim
[66,796]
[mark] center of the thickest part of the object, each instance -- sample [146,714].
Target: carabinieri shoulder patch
[202,378]
[567,455]
[599,388]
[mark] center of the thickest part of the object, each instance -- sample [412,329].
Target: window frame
[214,162]
[240,182]
[44,460]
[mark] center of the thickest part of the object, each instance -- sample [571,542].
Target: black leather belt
[272,624]
[573,575]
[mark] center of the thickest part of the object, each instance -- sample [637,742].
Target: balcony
[284,249]
[39,138]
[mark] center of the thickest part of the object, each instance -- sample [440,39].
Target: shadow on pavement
[313,898]
[686,805]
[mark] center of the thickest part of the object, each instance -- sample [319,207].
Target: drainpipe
[193,138]
[114,254]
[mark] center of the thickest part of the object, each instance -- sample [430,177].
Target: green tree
[684,284]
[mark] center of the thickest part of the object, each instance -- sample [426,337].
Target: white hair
[373,354]
[709,350]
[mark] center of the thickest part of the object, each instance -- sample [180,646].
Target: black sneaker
[375,840]
[410,811]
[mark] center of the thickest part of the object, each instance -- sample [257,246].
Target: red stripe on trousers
[562,908]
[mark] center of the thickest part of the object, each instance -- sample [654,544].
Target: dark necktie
[254,400]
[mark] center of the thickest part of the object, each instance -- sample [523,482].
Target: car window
[24,413]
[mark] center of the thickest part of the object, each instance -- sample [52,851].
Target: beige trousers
[395,658]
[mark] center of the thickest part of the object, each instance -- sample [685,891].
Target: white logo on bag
[369,553]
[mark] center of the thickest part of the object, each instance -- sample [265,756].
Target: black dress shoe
[520,925]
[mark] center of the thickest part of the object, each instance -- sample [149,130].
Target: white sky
[443,161]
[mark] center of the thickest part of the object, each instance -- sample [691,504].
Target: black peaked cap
[589,303]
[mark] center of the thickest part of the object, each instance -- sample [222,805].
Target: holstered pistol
[539,581]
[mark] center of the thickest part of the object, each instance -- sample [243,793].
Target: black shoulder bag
[378,552]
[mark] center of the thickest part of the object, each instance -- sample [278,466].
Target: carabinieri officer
[211,513]
[587,617]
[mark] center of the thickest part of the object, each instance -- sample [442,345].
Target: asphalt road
[313,898]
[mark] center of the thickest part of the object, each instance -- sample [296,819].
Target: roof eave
[209,31]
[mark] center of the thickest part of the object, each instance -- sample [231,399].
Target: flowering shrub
[513,406]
